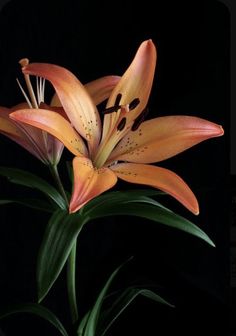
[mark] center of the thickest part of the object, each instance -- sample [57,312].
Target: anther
[118,99]
[138,121]
[134,104]
[111,109]
[121,124]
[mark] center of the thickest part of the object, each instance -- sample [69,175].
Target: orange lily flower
[124,146]
[41,144]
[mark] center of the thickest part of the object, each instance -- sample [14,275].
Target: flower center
[119,129]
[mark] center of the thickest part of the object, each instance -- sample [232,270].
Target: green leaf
[83,323]
[36,309]
[116,197]
[123,301]
[31,203]
[30,180]
[59,238]
[95,317]
[144,207]
[90,322]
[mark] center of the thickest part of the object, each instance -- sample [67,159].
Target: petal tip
[196,212]
[221,130]
[194,208]
[149,43]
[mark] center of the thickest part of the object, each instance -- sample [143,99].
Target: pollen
[121,124]
[118,99]
[134,104]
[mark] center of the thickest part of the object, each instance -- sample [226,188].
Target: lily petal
[160,178]
[7,126]
[53,123]
[135,83]
[99,89]
[74,98]
[161,138]
[89,182]
[24,135]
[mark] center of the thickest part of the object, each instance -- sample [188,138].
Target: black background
[93,39]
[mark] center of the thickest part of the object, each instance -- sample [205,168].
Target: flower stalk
[71,262]
[57,179]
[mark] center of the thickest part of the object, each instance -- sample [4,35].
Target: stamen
[24,94]
[121,124]
[38,89]
[40,83]
[118,99]
[116,106]
[43,81]
[111,109]
[138,121]
[134,104]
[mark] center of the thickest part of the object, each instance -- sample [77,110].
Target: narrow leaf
[120,196]
[91,323]
[59,238]
[30,203]
[124,300]
[36,309]
[83,323]
[150,210]
[30,180]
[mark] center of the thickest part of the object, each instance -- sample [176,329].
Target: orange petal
[135,83]
[19,107]
[161,138]
[99,89]
[7,125]
[50,146]
[74,98]
[54,124]
[24,135]
[89,182]
[160,178]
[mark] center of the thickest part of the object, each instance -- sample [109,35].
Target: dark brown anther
[121,124]
[111,109]
[118,99]
[138,121]
[134,104]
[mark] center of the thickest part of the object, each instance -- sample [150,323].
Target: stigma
[32,99]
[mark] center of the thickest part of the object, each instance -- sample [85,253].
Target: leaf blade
[91,323]
[125,299]
[144,207]
[36,309]
[30,203]
[30,180]
[59,238]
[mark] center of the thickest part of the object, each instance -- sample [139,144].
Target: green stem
[71,269]
[56,176]
[71,287]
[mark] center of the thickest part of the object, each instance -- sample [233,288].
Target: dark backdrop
[93,39]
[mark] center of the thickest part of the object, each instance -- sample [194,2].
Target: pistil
[23,62]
